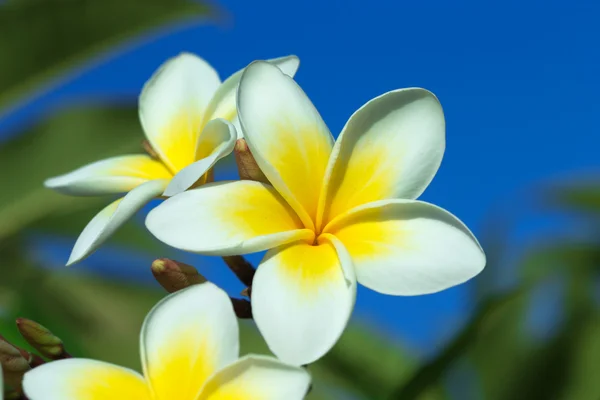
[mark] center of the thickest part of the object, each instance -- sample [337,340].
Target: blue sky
[517,80]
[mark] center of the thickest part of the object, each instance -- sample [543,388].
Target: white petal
[110,176]
[286,135]
[223,103]
[258,377]
[226,218]
[172,107]
[390,148]
[107,221]
[216,141]
[302,298]
[81,379]
[406,247]
[186,338]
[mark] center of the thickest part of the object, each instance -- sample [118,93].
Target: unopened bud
[247,166]
[41,339]
[174,275]
[11,359]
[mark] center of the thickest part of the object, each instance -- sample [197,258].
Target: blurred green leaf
[41,39]
[58,145]
[430,374]
[583,197]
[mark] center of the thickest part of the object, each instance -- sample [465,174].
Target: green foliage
[40,40]
[64,142]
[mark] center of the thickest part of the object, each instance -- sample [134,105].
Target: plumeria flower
[189,345]
[187,115]
[334,214]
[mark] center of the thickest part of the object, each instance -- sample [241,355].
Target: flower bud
[41,339]
[14,367]
[247,166]
[12,360]
[174,275]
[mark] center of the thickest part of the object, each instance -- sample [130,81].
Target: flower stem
[241,268]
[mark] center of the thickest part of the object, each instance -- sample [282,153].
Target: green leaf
[42,39]
[430,374]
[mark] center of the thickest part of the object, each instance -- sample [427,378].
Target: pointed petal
[257,377]
[223,103]
[186,338]
[302,298]
[110,176]
[107,221]
[390,148]
[81,379]
[216,141]
[286,135]
[406,247]
[172,107]
[226,218]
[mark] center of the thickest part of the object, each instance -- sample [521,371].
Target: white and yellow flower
[190,349]
[334,214]
[187,115]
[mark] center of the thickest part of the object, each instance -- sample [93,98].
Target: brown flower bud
[174,275]
[247,166]
[14,367]
[41,339]
[11,359]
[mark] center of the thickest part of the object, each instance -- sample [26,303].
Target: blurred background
[518,82]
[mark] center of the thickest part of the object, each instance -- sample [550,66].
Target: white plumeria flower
[336,213]
[190,349]
[187,116]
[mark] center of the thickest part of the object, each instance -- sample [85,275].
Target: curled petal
[216,141]
[286,135]
[223,103]
[110,176]
[390,148]
[172,107]
[186,338]
[406,247]
[302,298]
[257,377]
[226,218]
[81,379]
[107,221]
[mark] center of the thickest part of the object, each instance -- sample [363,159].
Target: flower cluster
[330,214]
